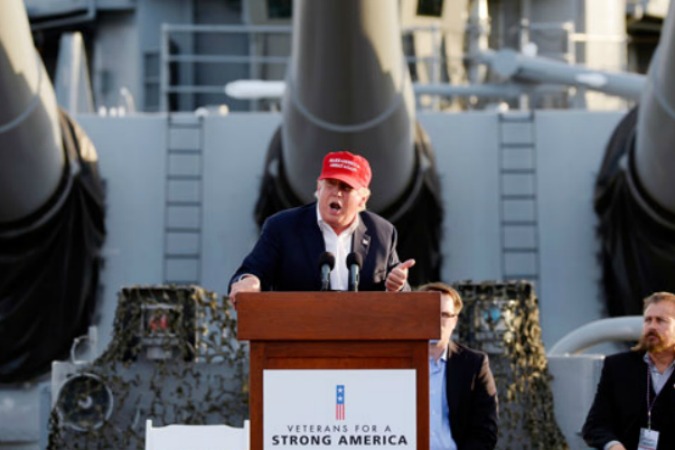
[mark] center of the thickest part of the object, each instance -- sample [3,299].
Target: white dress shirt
[340,246]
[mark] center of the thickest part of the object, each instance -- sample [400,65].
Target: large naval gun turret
[508,178]
[323,109]
[348,87]
[635,193]
[635,199]
[51,212]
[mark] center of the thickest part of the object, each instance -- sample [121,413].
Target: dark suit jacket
[620,406]
[472,398]
[286,256]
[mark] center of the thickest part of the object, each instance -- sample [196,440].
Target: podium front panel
[340,331]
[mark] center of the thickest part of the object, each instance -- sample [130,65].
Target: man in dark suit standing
[286,256]
[634,405]
[462,392]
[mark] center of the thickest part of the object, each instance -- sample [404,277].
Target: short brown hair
[443,288]
[658,297]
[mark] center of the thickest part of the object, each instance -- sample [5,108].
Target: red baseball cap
[348,168]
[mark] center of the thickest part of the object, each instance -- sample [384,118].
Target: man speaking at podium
[298,245]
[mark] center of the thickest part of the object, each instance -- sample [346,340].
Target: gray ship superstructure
[486,150]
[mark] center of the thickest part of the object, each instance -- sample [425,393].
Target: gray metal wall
[567,147]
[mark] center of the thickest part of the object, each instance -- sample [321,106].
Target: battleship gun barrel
[635,190]
[51,212]
[654,153]
[31,157]
[348,87]
[508,63]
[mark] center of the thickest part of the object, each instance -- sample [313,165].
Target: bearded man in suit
[634,406]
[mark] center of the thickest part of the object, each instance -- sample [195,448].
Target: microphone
[326,264]
[354,264]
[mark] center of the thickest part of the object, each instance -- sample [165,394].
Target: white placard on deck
[339,409]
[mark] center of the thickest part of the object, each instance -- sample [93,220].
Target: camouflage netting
[502,319]
[174,358]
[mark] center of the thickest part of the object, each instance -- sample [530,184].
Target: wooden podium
[339,330]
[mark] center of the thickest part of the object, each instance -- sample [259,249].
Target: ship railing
[254,60]
[257,57]
[177,67]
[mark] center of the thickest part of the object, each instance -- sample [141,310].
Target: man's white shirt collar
[340,246]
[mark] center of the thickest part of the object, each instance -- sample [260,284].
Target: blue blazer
[286,256]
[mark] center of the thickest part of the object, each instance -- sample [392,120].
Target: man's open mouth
[335,206]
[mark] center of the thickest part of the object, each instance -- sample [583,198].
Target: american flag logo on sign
[340,402]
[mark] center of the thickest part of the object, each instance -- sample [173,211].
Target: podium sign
[311,343]
[337,409]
